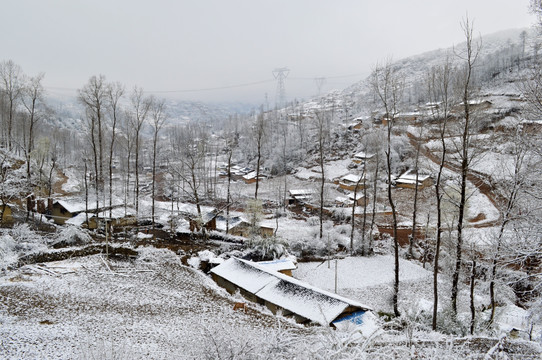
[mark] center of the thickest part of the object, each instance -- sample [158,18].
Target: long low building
[279,292]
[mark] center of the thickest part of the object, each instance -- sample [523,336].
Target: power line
[183,90]
[329,77]
[212,88]
[279,77]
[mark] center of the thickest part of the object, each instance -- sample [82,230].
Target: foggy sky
[167,46]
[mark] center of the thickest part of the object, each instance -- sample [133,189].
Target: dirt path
[483,182]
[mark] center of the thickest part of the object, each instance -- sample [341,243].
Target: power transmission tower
[280,74]
[319,83]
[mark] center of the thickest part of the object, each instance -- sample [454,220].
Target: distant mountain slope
[499,54]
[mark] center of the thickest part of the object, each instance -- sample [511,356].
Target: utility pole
[280,74]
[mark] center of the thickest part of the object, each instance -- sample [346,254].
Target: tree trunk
[394,219]
[472,283]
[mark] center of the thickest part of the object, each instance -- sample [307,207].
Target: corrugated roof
[317,305]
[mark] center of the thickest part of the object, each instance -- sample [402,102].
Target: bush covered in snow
[266,248]
[72,235]
[154,256]
[8,255]
[17,242]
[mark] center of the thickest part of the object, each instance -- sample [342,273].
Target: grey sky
[166,45]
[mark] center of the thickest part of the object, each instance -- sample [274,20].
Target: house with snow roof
[251,177]
[118,217]
[408,180]
[363,156]
[239,226]
[299,196]
[206,221]
[281,293]
[350,182]
[283,266]
[62,210]
[350,199]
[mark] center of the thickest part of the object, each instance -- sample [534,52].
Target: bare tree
[33,103]
[127,145]
[190,148]
[158,117]
[231,142]
[354,205]
[374,145]
[509,194]
[387,85]
[140,107]
[115,91]
[12,81]
[322,134]
[259,135]
[439,86]
[413,234]
[465,86]
[93,96]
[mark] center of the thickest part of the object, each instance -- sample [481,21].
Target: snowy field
[368,280]
[155,308]
[152,308]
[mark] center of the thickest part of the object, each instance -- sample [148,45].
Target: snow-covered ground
[153,308]
[332,170]
[73,184]
[365,279]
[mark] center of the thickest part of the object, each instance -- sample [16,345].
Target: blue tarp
[355,317]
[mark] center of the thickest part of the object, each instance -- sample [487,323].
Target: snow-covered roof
[349,199]
[116,213]
[353,196]
[305,300]
[234,221]
[74,207]
[351,178]
[300,192]
[252,175]
[364,155]
[279,265]
[77,220]
[409,177]
[185,208]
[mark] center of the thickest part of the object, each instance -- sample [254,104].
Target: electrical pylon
[319,83]
[280,74]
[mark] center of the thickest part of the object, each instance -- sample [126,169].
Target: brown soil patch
[479,217]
